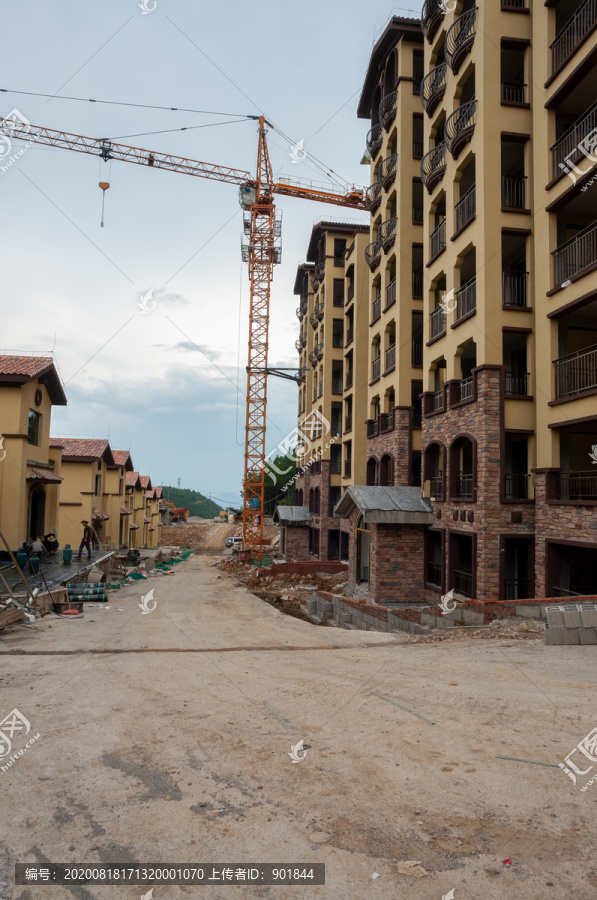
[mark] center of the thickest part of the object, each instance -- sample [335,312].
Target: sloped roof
[397,28]
[83,449]
[158,493]
[145,482]
[43,476]
[132,479]
[123,458]
[345,228]
[23,369]
[292,515]
[386,505]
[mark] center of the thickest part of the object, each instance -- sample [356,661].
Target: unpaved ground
[207,535]
[156,745]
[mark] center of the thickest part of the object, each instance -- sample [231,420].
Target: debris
[375,875]
[507,862]
[10,617]
[319,837]
[411,867]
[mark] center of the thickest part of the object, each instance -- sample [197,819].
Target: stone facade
[486,515]
[296,541]
[396,442]
[318,476]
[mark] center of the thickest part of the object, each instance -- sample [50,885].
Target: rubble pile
[511,628]
[191,536]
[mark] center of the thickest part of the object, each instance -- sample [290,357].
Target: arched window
[311,500]
[386,470]
[462,468]
[316,501]
[434,469]
[371,471]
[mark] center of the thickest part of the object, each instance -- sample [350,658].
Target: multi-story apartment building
[334,296]
[483,299]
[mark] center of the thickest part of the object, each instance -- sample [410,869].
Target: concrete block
[553,635]
[442,623]
[472,616]
[587,635]
[311,606]
[328,607]
[572,617]
[555,616]
[455,614]
[428,619]
[588,616]
[570,636]
[529,610]
[344,618]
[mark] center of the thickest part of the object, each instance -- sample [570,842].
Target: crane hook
[104,186]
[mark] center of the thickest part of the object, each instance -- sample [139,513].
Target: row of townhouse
[50,484]
[453,348]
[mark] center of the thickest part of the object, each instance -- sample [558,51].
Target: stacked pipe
[87,591]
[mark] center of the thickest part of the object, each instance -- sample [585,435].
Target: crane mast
[261,252]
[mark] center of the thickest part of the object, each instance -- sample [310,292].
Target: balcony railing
[576,486]
[349,379]
[577,254]
[372,427]
[460,35]
[463,582]
[299,313]
[337,341]
[463,487]
[437,401]
[431,14]
[573,32]
[347,468]
[516,487]
[466,299]
[320,270]
[314,393]
[373,195]
[298,344]
[434,574]
[347,424]
[514,191]
[516,588]
[386,422]
[514,289]
[387,107]
[387,230]
[337,386]
[460,125]
[388,167]
[350,292]
[373,252]
[433,87]
[390,357]
[313,358]
[320,391]
[417,149]
[513,4]
[391,293]
[376,309]
[517,384]
[416,353]
[417,285]
[466,208]
[433,165]
[319,350]
[514,93]
[376,369]
[349,335]
[437,322]
[576,372]
[335,465]
[417,416]
[466,389]
[417,215]
[374,139]
[568,149]
[436,485]
[437,240]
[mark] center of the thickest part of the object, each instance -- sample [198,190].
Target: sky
[165,377]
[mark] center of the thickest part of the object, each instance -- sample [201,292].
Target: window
[339,250]
[120,483]
[338,293]
[98,485]
[33,428]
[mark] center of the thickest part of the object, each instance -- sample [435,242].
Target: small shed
[294,524]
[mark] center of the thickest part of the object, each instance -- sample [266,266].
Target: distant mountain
[194,501]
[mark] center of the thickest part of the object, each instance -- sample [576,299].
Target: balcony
[338,341]
[516,588]
[390,359]
[349,379]
[347,424]
[417,215]
[417,150]
[386,423]
[460,37]
[387,232]
[387,169]
[373,196]
[576,486]
[374,139]
[437,401]
[376,309]
[513,4]
[437,240]
[576,255]
[433,88]
[516,487]
[349,335]
[350,292]
[571,147]
[387,108]
[347,468]
[573,34]
[319,350]
[373,253]
[434,574]
[514,289]
[517,384]
[376,369]
[460,127]
[463,487]
[391,293]
[299,313]
[319,271]
[466,208]
[466,299]
[313,320]
[417,287]
[314,393]
[576,373]
[372,427]
[313,358]
[514,94]
[416,353]
[431,16]
[436,486]
[320,391]
[337,387]
[437,323]
[433,166]
[513,191]
[463,583]
[466,389]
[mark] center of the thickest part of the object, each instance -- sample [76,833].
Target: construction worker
[85,540]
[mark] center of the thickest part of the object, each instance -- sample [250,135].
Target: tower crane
[262,252]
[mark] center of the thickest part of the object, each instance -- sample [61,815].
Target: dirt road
[166,738]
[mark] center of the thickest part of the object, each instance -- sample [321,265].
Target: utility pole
[179,484]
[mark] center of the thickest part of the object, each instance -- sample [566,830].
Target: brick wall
[396,443]
[296,542]
[396,567]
